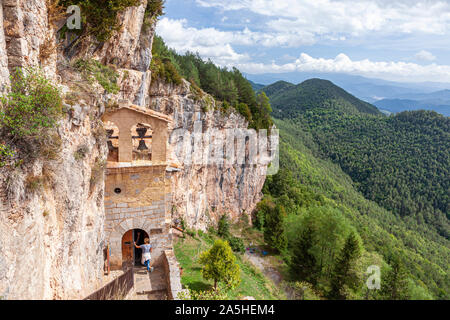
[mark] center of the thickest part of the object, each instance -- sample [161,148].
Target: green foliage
[93,71]
[32,105]
[237,244]
[223,228]
[274,228]
[316,238]
[219,265]
[303,263]
[400,162]
[304,291]
[210,295]
[253,282]
[28,116]
[394,283]
[327,150]
[100,18]
[294,100]
[228,86]
[6,154]
[345,274]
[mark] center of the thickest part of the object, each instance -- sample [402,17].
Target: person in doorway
[146,256]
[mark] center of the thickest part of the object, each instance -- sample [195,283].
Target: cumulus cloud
[297,23]
[425,56]
[353,17]
[208,42]
[395,71]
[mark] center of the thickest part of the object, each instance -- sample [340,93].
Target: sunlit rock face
[52,237]
[203,190]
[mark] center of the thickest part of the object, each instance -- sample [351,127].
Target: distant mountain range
[386,95]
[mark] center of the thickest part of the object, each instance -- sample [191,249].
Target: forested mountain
[355,188]
[291,99]
[399,105]
[335,146]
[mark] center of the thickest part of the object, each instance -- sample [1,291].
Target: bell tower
[137,185]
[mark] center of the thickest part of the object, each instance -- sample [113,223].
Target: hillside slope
[289,99]
[386,175]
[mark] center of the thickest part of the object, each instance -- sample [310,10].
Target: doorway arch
[130,255]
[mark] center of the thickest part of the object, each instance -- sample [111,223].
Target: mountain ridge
[288,98]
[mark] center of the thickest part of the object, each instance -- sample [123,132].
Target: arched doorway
[130,254]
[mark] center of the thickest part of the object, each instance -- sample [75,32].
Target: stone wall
[141,204]
[173,276]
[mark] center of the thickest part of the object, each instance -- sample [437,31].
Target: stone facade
[141,204]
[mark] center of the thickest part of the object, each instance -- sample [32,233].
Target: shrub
[190,294]
[30,112]
[163,69]
[6,154]
[33,104]
[219,265]
[154,9]
[237,244]
[100,17]
[92,70]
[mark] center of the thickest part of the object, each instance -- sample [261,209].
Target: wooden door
[127,247]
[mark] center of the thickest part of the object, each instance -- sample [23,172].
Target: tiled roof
[146,111]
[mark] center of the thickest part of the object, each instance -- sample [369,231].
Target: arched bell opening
[142,135]
[112,133]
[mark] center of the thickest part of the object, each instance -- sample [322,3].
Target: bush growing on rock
[29,114]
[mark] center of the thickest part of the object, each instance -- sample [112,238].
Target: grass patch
[253,282]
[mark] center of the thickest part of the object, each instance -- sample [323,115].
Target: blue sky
[398,40]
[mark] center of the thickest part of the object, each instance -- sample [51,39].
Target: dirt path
[263,264]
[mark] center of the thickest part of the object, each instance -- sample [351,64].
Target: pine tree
[219,264]
[303,262]
[223,229]
[274,233]
[344,275]
[394,285]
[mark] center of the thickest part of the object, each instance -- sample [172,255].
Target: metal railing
[116,289]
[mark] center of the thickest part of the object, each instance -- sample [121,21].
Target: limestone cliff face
[52,237]
[203,192]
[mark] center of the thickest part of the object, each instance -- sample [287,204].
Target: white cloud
[394,71]
[208,42]
[352,17]
[425,56]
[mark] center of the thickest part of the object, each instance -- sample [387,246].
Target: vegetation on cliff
[28,115]
[101,18]
[227,86]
